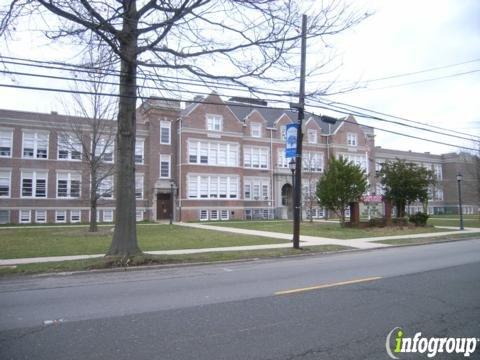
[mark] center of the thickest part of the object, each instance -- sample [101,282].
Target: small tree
[405,183]
[340,185]
[311,166]
[89,135]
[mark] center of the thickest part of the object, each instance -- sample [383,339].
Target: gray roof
[271,114]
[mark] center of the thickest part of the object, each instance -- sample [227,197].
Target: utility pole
[297,195]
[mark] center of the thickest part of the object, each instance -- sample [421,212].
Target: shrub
[419,219]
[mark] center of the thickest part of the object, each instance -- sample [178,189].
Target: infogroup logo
[430,346]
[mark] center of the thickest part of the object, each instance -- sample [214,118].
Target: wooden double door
[164,206]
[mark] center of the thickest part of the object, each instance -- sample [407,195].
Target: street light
[291,166]
[459,180]
[172,185]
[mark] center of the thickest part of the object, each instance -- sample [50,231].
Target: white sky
[402,36]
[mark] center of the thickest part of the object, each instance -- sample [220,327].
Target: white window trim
[139,141]
[69,185]
[166,125]
[35,144]
[214,116]
[200,215]
[232,187]
[36,217]
[69,148]
[254,127]
[34,184]
[102,145]
[112,189]
[29,212]
[10,138]
[79,216]
[354,136]
[107,219]
[139,218]
[312,136]
[142,177]
[56,215]
[9,172]
[248,152]
[165,157]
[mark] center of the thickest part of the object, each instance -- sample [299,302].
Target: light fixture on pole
[292,166]
[460,210]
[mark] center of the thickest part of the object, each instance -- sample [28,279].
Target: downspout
[272,182]
[179,168]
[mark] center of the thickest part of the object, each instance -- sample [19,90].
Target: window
[312,161]
[139,186]
[104,148]
[5,177]
[212,153]
[4,216]
[439,194]
[437,168]
[282,161]
[40,216]
[214,122]
[69,148]
[224,215]
[34,184]
[256,130]
[6,137]
[312,136]
[351,139]
[60,216]
[204,187]
[139,215]
[107,215]
[357,159]
[203,215]
[165,166]
[283,132]
[68,185]
[139,150]
[25,216]
[105,188]
[35,145]
[256,188]
[165,127]
[75,216]
[255,157]
[214,215]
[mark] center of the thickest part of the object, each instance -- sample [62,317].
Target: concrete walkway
[359,243]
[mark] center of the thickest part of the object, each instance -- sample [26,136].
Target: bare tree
[89,134]
[246,39]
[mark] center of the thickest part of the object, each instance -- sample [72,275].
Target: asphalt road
[232,311]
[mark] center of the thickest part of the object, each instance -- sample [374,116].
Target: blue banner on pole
[291,140]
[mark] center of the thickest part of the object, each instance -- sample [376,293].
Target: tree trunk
[93,203]
[342,217]
[124,242]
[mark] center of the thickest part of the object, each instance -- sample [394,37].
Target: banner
[291,140]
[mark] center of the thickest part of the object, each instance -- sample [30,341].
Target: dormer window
[283,132]
[352,139]
[256,130]
[312,136]
[214,122]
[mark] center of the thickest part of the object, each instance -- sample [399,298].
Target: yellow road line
[293,291]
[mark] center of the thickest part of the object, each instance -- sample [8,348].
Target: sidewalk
[359,243]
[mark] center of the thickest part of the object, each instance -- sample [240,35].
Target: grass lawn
[433,239]
[454,220]
[57,241]
[328,230]
[102,263]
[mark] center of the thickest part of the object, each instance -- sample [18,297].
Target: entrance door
[287,199]
[163,206]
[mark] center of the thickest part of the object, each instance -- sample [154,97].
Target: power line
[420,71]
[229,104]
[400,118]
[394,132]
[203,93]
[95,70]
[398,123]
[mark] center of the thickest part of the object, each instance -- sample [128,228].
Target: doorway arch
[287,201]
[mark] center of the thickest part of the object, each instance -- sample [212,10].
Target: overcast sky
[402,36]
